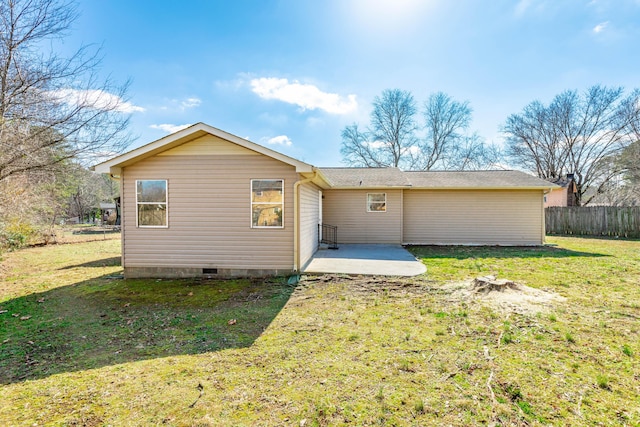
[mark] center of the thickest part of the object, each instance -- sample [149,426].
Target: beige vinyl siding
[347,209]
[479,217]
[309,219]
[557,197]
[209,210]
[208,145]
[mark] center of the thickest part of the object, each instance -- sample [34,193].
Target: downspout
[296,220]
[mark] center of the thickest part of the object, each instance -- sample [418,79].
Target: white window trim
[251,203]
[369,205]
[166,203]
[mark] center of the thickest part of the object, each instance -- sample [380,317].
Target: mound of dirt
[504,295]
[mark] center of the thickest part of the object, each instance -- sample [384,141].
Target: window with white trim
[151,203]
[267,203]
[376,202]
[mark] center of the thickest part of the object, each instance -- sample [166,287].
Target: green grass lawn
[80,346]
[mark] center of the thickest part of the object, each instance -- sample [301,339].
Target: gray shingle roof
[563,181]
[365,177]
[476,179]
[394,177]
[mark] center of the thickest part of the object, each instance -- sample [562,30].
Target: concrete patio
[383,260]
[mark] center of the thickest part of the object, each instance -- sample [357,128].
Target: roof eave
[486,188]
[321,179]
[369,187]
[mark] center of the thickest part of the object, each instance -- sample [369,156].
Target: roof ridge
[466,171]
[359,167]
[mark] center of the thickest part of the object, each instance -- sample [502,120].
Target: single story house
[204,202]
[106,211]
[564,194]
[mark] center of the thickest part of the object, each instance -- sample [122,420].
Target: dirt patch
[501,294]
[504,295]
[371,284]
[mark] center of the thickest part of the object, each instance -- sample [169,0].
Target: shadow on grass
[96,231]
[596,237]
[105,262]
[465,252]
[105,321]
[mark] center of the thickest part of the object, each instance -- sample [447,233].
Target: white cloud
[414,149]
[375,144]
[181,105]
[278,140]
[306,96]
[98,99]
[169,128]
[190,103]
[600,27]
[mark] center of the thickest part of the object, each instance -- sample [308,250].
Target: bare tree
[52,108]
[470,152]
[575,133]
[357,150]
[33,203]
[445,120]
[629,162]
[624,190]
[393,136]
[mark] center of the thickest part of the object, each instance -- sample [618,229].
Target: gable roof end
[114,165]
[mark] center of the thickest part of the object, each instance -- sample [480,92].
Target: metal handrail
[328,234]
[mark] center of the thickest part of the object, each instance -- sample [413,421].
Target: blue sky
[291,74]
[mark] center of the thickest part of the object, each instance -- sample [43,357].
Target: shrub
[16,234]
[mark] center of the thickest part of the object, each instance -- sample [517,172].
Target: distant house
[563,195]
[203,201]
[106,211]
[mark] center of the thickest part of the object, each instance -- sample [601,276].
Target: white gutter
[296,219]
[410,187]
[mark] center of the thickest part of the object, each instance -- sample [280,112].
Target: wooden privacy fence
[594,221]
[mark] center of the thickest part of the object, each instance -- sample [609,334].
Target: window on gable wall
[267,203]
[376,202]
[151,203]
